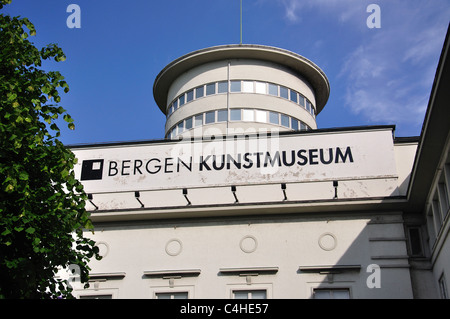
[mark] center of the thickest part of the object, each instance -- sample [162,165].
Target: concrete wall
[288,251]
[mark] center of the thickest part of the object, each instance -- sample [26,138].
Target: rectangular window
[415,241]
[301,100]
[284,120]
[303,127]
[235,114]
[261,116]
[199,92]
[294,124]
[222,115]
[248,115]
[235,86]
[181,100]
[198,120]
[247,87]
[222,87]
[210,117]
[294,96]
[210,88]
[171,109]
[274,118]
[249,294]
[273,89]
[331,294]
[261,87]
[189,96]
[171,295]
[175,104]
[284,92]
[308,106]
[180,127]
[188,123]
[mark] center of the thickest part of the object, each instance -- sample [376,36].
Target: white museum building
[246,197]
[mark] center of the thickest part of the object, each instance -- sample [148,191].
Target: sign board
[343,155]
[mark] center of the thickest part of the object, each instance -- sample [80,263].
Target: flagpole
[241,23]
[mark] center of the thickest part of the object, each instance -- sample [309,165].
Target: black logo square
[92,170]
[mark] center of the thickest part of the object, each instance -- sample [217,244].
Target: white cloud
[345,9]
[389,72]
[291,9]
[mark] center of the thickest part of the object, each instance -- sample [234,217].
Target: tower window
[294,124]
[285,120]
[222,87]
[301,100]
[199,92]
[181,100]
[188,123]
[248,115]
[222,115]
[189,96]
[261,116]
[198,119]
[261,87]
[235,86]
[284,92]
[273,89]
[274,118]
[210,88]
[247,86]
[210,117]
[235,114]
[294,96]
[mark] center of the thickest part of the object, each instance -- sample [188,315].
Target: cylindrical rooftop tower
[240,89]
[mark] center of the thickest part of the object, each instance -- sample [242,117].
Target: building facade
[246,198]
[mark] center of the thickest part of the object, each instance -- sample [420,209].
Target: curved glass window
[189,96]
[198,120]
[199,92]
[235,86]
[222,87]
[222,116]
[284,120]
[211,89]
[284,92]
[273,89]
[233,115]
[210,117]
[241,86]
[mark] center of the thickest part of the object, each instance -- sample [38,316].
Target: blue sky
[377,76]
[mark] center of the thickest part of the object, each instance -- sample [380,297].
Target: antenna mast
[241,23]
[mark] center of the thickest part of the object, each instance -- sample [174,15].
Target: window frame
[331,290]
[189,289]
[267,286]
[249,292]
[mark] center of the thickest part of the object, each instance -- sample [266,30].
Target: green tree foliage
[42,205]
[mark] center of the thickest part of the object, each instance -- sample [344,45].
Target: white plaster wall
[286,243]
[404,160]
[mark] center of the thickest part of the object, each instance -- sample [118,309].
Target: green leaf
[6,232]
[68,118]
[30,230]
[23,176]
